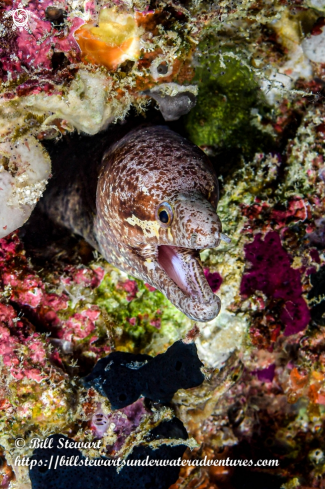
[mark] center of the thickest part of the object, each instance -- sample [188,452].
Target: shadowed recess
[78,475]
[124,377]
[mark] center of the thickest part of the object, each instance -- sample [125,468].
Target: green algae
[229,97]
[143,316]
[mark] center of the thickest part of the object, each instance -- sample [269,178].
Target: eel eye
[164,214]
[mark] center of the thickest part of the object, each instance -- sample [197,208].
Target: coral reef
[256,72]
[272,205]
[272,274]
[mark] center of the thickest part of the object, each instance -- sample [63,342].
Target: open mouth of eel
[179,275]
[183,266]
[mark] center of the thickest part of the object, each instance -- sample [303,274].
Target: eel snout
[178,271]
[196,223]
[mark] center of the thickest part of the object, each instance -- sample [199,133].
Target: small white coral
[314,47]
[281,79]
[317,4]
[24,170]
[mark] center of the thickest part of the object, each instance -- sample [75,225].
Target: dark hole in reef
[122,397]
[55,15]
[162,69]
[59,61]
[147,485]
[316,295]
[43,469]
[269,442]
[178,365]
[235,414]
[247,479]
[127,66]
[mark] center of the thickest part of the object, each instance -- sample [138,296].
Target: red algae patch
[271,273]
[131,287]
[214,279]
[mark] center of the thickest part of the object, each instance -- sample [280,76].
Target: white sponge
[25,168]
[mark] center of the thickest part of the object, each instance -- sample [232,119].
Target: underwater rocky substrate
[256,73]
[122,377]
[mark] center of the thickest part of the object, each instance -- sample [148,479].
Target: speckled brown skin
[148,166]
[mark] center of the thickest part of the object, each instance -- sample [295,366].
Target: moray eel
[152,209]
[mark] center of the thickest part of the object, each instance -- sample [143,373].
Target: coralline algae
[263,396]
[272,274]
[38,367]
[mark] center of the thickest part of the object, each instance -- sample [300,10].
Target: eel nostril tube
[224,238]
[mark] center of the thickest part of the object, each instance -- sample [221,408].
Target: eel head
[156,202]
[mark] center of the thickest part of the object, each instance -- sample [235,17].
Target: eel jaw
[179,275]
[183,266]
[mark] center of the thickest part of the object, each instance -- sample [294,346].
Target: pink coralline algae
[275,217]
[296,210]
[150,288]
[272,274]
[53,312]
[317,237]
[126,420]
[15,336]
[214,279]
[99,423]
[131,288]
[35,47]
[266,374]
[84,276]
[80,325]
[123,422]
[156,323]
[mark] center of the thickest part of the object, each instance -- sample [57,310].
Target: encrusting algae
[256,71]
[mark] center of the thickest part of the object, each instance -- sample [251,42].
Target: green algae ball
[222,117]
